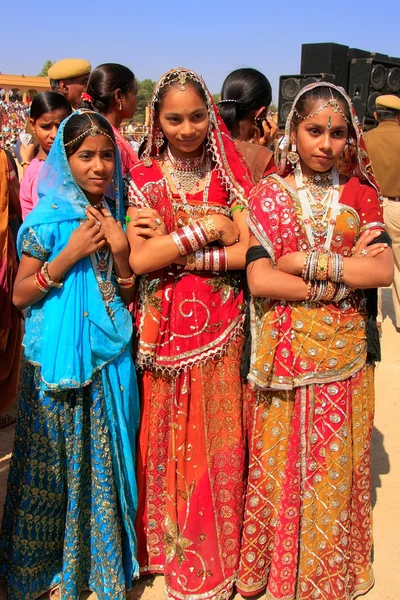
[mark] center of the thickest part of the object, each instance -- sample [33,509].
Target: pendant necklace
[319,200]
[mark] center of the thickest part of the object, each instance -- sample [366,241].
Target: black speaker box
[368,79]
[289,87]
[326,58]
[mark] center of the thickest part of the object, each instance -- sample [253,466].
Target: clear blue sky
[210,37]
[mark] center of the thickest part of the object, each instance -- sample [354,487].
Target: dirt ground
[385,476]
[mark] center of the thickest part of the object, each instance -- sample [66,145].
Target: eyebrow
[197,110]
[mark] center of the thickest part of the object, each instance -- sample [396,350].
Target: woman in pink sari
[111,91]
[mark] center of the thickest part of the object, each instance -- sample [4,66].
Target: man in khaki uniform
[383,145]
[69,77]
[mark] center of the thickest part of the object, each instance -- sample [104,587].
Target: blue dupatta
[70,335]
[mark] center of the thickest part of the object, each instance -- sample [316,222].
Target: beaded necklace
[319,200]
[188,171]
[175,180]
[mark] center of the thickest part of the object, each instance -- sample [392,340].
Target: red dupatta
[185,318]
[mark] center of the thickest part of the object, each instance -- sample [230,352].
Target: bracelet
[331,291]
[337,268]
[343,291]
[237,207]
[306,266]
[190,262]
[211,231]
[49,281]
[25,163]
[128,282]
[322,266]
[40,282]
[200,259]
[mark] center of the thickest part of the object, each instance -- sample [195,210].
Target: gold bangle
[190,262]
[49,281]
[322,267]
[212,231]
[127,281]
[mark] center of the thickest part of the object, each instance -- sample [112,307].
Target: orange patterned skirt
[307,531]
[191,477]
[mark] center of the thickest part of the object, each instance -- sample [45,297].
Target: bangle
[128,282]
[190,262]
[40,282]
[25,163]
[212,232]
[306,266]
[331,291]
[237,207]
[48,279]
[322,266]
[337,268]
[200,259]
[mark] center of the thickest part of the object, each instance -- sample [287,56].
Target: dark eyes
[338,133]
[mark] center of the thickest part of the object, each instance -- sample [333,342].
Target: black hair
[104,80]
[307,100]
[47,102]
[82,123]
[387,114]
[243,92]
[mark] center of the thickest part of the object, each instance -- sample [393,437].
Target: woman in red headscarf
[188,236]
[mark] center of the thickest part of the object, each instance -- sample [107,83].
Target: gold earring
[292,156]
[120,105]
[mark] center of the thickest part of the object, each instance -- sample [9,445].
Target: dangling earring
[158,140]
[120,105]
[292,156]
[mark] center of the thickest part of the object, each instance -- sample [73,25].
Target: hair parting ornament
[332,103]
[94,130]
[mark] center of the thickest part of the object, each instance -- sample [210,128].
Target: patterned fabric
[190,477]
[72,493]
[10,318]
[191,440]
[61,522]
[307,530]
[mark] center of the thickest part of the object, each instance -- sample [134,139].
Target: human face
[46,127]
[92,165]
[321,140]
[184,120]
[74,88]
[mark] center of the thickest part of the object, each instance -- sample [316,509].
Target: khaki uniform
[383,145]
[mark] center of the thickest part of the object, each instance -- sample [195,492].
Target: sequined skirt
[61,524]
[307,531]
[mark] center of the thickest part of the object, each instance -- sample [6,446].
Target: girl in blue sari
[69,515]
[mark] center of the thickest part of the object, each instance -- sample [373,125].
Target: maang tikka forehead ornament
[94,130]
[332,103]
[355,161]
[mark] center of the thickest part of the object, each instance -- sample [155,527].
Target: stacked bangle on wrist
[337,268]
[126,282]
[43,281]
[207,259]
[322,266]
[191,238]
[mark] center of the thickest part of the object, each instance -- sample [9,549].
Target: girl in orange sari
[307,528]
[188,193]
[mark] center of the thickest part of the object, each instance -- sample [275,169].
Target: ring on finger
[158,221]
[107,214]
[363,252]
[98,225]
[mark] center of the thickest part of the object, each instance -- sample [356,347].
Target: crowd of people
[14,115]
[200,340]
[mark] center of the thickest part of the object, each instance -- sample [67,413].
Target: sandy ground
[385,476]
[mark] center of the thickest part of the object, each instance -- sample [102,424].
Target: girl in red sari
[307,527]
[188,237]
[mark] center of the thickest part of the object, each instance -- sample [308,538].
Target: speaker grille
[290,88]
[371,107]
[378,77]
[393,80]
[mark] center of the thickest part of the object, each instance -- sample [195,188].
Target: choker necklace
[188,171]
[319,200]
